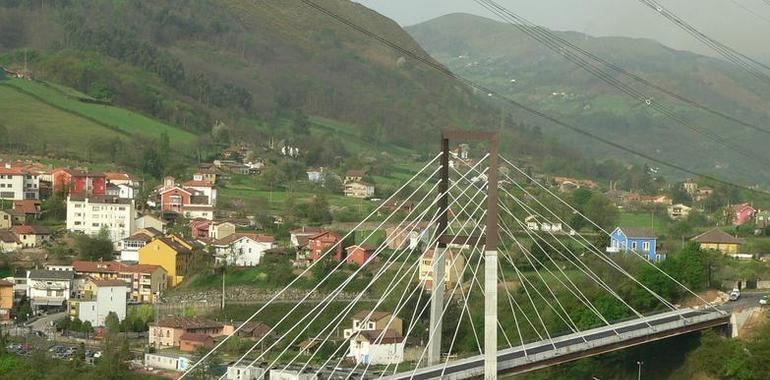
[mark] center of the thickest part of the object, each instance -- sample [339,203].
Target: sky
[741,24]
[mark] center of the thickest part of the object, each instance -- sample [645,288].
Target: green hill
[37,114]
[500,56]
[239,61]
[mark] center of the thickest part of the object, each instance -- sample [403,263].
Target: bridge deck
[579,345]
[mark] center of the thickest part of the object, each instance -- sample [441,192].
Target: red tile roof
[96,266]
[238,236]
[117,176]
[29,206]
[193,337]
[109,283]
[140,268]
[194,183]
[29,229]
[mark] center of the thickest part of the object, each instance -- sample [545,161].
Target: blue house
[639,240]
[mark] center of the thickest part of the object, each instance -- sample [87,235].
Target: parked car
[735,294]
[763,300]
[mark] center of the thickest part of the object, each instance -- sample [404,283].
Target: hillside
[64,122]
[239,61]
[501,57]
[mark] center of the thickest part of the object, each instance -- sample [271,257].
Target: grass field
[118,120]
[40,123]
[641,220]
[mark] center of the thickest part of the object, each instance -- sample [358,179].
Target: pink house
[742,213]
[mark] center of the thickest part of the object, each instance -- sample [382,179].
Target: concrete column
[436,305]
[490,315]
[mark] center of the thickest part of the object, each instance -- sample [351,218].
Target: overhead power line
[747,9]
[446,72]
[595,67]
[750,65]
[530,28]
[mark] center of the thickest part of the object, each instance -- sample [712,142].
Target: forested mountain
[499,56]
[190,63]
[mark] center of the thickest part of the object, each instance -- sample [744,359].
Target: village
[82,246]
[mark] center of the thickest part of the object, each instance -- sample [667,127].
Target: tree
[300,124]
[601,211]
[318,212]
[95,248]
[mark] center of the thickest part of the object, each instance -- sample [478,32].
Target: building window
[633,245]
[646,246]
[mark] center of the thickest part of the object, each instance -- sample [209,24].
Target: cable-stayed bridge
[477,268]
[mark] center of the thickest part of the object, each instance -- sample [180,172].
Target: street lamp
[639,375]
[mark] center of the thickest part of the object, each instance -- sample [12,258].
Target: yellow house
[172,253]
[6,299]
[718,240]
[453,268]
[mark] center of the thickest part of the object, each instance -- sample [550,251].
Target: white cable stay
[278,294]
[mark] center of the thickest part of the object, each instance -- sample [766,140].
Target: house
[150,221]
[656,200]
[120,191]
[49,289]
[167,361]
[740,214]
[220,229]
[641,241]
[199,228]
[300,236]
[30,208]
[75,181]
[17,183]
[366,320]
[168,331]
[99,298]
[396,206]
[454,265]
[118,178]
[195,199]
[9,242]
[172,253]
[761,218]
[355,175]
[315,175]
[192,342]
[358,189]
[678,211]
[718,240]
[32,236]
[535,224]
[89,214]
[242,249]
[201,185]
[690,186]
[406,237]
[359,254]
[130,246]
[319,244]
[145,282]
[6,300]
[703,193]
[254,330]
[206,174]
[567,184]
[244,372]
[377,347]
[6,220]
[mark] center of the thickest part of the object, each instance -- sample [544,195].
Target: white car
[763,300]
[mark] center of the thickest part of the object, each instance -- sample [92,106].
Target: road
[44,323]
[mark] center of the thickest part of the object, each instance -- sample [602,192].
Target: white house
[18,183]
[147,221]
[534,224]
[241,249]
[204,187]
[89,215]
[194,211]
[169,362]
[130,246]
[244,372]
[120,190]
[49,289]
[679,211]
[109,296]
[359,189]
[315,175]
[377,347]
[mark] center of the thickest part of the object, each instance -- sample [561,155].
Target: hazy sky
[741,24]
